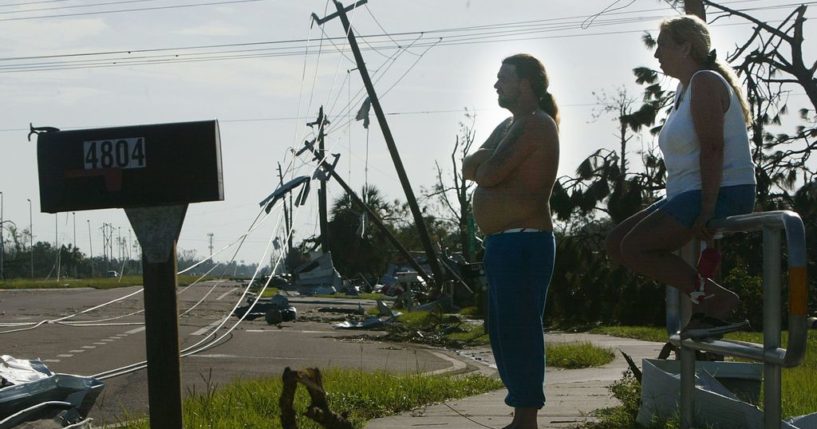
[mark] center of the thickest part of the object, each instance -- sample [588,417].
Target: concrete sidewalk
[572,395]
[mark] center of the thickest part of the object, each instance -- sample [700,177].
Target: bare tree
[459,206]
[765,57]
[771,62]
[603,181]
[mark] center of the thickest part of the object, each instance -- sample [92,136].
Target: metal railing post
[687,387]
[684,311]
[771,326]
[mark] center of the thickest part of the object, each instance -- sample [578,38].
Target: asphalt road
[113,336]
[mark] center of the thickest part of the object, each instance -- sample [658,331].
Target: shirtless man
[515,170]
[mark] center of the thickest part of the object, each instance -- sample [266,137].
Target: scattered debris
[370,323]
[434,330]
[274,310]
[318,410]
[386,315]
[29,391]
[724,395]
[317,276]
[342,310]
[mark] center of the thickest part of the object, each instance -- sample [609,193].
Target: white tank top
[682,150]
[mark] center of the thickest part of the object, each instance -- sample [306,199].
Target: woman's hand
[699,228]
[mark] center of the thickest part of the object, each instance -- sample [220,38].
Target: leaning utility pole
[287,212]
[210,235]
[321,122]
[425,237]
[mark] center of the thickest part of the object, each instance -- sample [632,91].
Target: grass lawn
[452,331]
[95,283]
[577,355]
[364,396]
[799,383]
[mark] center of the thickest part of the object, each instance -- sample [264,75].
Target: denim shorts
[686,206]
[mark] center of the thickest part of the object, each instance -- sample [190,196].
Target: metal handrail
[772,356]
[795,349]
[795,232]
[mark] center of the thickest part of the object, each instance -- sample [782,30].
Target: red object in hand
[708,262]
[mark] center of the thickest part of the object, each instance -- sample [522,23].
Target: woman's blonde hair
[690,28]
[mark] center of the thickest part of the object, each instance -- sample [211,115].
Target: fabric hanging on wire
[363,112]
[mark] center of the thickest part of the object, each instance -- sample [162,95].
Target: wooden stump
[318,410]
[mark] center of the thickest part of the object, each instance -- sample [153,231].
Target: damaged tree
[771,61]
[461,208]
[318,410]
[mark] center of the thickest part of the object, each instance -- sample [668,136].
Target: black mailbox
[133,166]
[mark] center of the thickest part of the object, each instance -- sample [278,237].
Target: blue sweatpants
[518,266]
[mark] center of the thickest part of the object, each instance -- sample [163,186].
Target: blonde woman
[710,174]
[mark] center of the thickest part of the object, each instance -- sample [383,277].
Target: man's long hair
[530,68]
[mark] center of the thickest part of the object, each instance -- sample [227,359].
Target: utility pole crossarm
[326,18]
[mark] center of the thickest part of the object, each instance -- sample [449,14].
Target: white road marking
[51,360]
[207,328]
[76,351]
[65,355]
[89,347]
[225,356]
[220,297]
[99,343]
[135,331]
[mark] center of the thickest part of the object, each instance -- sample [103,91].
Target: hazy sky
[262,70]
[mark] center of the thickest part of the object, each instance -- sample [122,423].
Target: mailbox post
[153,172]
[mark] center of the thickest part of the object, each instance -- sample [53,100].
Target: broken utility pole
[321,122]
[425,237]
[328,170]
[287,212]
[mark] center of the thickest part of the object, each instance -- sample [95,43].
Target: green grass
[628,391]
[799,384]
[373,296]
[471,335]
[95,283]
[448,330]
[471,312]
[269,292]
[577,355]
[441,327]
[417,319]
[645,333]
[364,396]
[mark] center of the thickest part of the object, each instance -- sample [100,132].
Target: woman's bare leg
[647,249]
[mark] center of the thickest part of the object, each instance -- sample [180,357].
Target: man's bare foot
[524,418]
